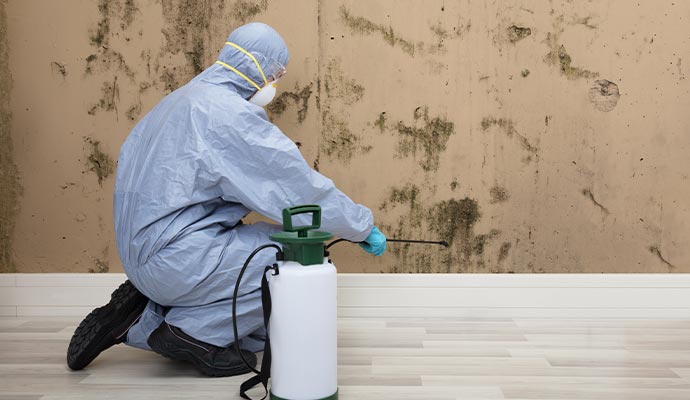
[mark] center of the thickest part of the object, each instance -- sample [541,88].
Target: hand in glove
[375,243]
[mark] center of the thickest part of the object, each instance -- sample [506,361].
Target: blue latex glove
[375,243]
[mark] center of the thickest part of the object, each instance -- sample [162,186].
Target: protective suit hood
[260,40]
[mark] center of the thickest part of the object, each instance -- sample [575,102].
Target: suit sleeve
[261,168]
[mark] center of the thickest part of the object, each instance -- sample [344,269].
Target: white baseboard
[409,295]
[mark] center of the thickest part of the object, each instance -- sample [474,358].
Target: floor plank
[396,358]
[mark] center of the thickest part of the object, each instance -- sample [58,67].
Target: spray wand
[440,243]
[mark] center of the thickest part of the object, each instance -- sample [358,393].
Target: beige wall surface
[534,136]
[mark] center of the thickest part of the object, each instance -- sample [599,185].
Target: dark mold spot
[98,37]
[499,194]
[100,163]
[110,96]
[129,12]
[507,126]
[364,26]
[169,81]
[503,251]
[9,174]
[337,86]
[299,97]
[454,185]
[100,267]
[604,95]
[244,10]
[381,122]
[186,31]
[516,33]
[655,250]
[316,162]
[428,135]
[524,73]
[58,68]
[559,56]
[451,218]
[134,112]
[338,140]
[588,194]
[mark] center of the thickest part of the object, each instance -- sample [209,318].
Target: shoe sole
[95,333]
[187,356]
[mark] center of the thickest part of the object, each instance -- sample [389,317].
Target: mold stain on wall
[9,174]
[363,26]
[426,135]
[337,139]
[99,162]
[451,220]
[299,97]
[558,56]
[508,127]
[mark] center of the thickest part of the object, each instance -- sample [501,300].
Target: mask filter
[265,95]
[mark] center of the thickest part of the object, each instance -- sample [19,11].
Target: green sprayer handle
[288,213]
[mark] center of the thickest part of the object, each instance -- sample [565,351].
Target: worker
[187,174]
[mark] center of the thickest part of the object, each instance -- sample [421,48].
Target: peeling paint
[604,95]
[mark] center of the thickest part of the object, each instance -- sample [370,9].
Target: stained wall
[533,136]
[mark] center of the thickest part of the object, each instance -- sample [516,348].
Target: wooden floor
[389,359]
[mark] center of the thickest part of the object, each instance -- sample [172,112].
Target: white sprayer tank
[303,330]
[303,323]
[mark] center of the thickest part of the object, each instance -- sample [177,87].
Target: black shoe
[105,326]
[169,341]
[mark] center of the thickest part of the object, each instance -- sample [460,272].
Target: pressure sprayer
[300,313]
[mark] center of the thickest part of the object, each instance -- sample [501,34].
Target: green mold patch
[99,162]
[453,218]
[100,266]
[99,36]
[129,13]
[9,174]
[134,111]
[363,26]
[186,31]
[381,122]
[443,35]
[337,141]
[338,86]
[504,251]
[454,184]
[499,194]
[428,136]
[525,73]
[298,97]
[58,68]
[558,56]
[244,10]
[517,33]
[110,96]
[508,127]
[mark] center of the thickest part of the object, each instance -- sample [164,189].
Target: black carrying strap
[265,374]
